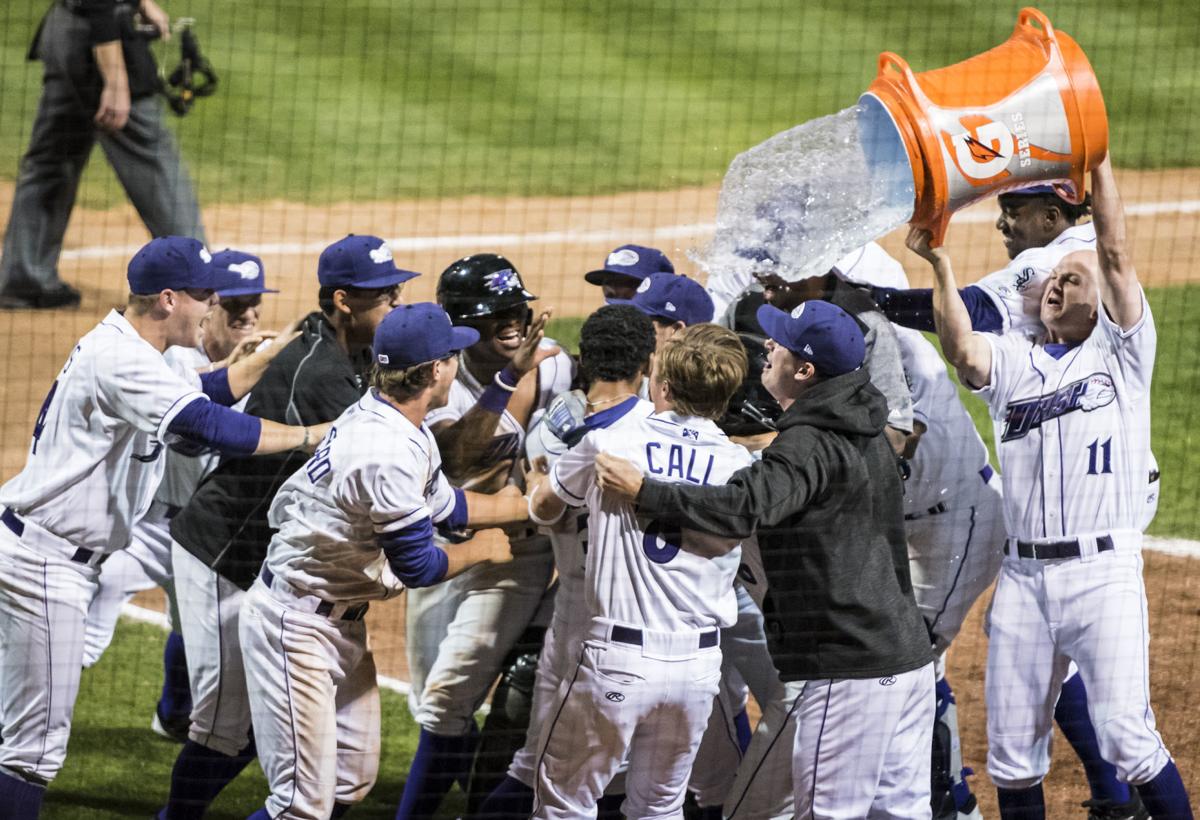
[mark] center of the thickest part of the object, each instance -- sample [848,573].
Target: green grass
[117,768]
[376,100]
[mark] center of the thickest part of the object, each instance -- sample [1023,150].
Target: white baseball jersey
[872,265]
[1017,287]
[1073,433]
[373,473]
[97,451]
[636,572]
[951,453]
[555,375]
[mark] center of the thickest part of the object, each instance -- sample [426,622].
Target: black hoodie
[826,502]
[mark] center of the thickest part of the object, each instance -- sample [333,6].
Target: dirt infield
[553,241]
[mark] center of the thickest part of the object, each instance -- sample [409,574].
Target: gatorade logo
[981,152]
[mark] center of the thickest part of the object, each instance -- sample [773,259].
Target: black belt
[352,613]
[1049,550]
[82,555]
[633,637]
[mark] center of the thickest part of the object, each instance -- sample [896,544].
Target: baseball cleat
[174,730]
[1109,810]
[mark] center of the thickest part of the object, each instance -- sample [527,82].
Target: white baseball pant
[1045,614]
[315,702]
[650,701]
[44,598]
[459,632]
[209,607]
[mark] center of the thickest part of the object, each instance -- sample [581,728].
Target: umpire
[844,629]
[99,82]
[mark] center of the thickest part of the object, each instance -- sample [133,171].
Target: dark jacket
[826,502]
[311,381]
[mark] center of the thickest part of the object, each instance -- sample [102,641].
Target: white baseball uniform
[459,632]
[309,671]
[1073,433]
[651,664]
[93,466]
[1016,289]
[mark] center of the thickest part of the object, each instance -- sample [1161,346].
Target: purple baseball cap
[418,333]
[634,261]
[671,297]
[360,261]
[171,263]
[239,274]
[817,332]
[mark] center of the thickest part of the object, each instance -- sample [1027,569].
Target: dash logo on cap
[645,286]
[623,257]
[798,311]
[248,270]
[205,256]
[381,254]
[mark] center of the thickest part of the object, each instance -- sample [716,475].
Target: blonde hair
[704,364]
[402,385]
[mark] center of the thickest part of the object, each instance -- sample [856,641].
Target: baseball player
[626,268]
[655,597]
[845,632]
[615,346]
[220,537]
[93,466]
[1071,407]
[459,632]
[355,525]
[672,303]
[229,333]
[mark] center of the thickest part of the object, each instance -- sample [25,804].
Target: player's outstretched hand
[530,354]
[919,241]
[619,476]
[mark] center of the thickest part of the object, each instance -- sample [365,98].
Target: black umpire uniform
[143,153]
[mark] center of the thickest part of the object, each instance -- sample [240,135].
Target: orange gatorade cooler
[1027,111]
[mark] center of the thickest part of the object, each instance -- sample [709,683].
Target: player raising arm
[93,466]
[1071,408]
[355,524]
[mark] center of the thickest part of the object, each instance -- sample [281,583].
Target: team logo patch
[798,311]
[670,306]
[381,254]
[615,697]
[205,256]
[382,358]
[808,349]
[1087,394]
[248,270]
[623,258]
[888,681]
[645,286]
[1023,279]
[502,280]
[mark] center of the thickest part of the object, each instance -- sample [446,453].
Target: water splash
[808,196]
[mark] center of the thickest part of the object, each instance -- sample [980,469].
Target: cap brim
[462,337]
[773,320]
[601,277]
[397,277]
[230,292]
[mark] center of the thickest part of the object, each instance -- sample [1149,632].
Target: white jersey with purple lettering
[373,473]
[1016,289]
[97,452]
[1073,429]
[636,572]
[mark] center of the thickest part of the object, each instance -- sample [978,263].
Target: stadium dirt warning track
[553,241]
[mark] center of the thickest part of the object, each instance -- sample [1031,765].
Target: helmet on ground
[480,285]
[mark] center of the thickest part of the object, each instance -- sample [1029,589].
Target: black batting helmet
[480,285]
[752,410]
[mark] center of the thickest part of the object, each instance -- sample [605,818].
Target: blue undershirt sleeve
[220,428]
[457,519]
[413,556]
[914,308]
[215,385]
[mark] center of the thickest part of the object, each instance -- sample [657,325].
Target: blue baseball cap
[634,261]
[360,261]
[817,332]
[418,333]
[239,274]
[671,297]
[171,262]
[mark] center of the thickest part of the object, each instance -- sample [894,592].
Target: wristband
[494,398]
[508,378]
[542,522]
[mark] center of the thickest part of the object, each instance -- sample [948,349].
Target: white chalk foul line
[608,236]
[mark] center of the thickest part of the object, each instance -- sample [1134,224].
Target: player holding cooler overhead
[1071,407]
[355,525]
[93,466]
[459,633]
[655,597]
